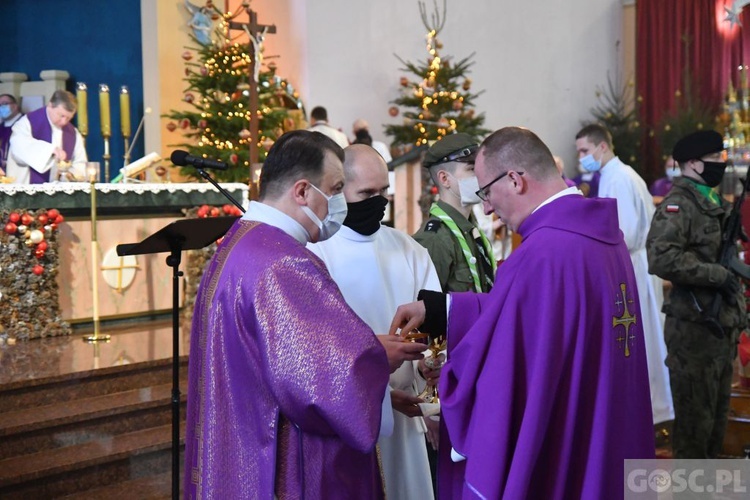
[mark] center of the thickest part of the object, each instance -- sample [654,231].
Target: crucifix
[255,32]
[626,320]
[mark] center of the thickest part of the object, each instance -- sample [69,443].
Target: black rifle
[728,256]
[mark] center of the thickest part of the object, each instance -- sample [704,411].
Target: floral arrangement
[29,263]
[197,260]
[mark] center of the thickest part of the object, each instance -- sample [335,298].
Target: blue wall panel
[96,42]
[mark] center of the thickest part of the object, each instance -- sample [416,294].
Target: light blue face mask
[589,164]
[4,111]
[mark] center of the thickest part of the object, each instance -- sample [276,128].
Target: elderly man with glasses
[545,390]
[462,254]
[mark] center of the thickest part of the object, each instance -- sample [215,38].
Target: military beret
[697,145]
[454,147]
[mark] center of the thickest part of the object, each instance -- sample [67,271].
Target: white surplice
[376,274]
[27,152]
[635,209]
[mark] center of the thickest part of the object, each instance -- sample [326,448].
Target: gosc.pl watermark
[725,479]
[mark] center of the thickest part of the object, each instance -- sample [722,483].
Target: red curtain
[672,35]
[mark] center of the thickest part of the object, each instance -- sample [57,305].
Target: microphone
[183,158]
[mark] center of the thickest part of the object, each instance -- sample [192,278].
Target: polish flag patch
[672,209]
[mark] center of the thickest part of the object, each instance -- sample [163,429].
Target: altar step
[90,433]
[737,436]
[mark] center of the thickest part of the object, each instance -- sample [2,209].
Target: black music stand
[184,234]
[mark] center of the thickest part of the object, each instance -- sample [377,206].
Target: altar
[128,287]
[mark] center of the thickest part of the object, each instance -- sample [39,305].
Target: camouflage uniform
[683,247]
[446,253]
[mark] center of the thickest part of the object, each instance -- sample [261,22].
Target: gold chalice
[436,346]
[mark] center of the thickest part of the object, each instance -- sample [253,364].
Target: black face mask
[713,172]
[364,216]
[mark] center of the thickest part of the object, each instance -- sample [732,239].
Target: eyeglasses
[484,192]
[458,155]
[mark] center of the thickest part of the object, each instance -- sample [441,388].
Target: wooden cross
[626,320]
[253,29]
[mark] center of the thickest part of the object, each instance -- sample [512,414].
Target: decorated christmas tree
[217,125]
[617,110]
[439,101]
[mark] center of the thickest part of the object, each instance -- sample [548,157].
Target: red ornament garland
[34,229]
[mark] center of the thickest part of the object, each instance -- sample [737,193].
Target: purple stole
[41,129]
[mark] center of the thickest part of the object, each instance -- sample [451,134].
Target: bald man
[378,268]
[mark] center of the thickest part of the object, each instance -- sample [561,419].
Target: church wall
[95,42]
[538,62]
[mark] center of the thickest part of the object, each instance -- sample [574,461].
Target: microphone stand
[223,191]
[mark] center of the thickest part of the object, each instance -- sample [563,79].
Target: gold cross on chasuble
[626,319]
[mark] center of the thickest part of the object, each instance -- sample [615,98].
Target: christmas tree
[218,91]
[618,111]
[439,101]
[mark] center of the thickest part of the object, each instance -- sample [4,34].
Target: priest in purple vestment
[45,146]
[286,383]
[545,392]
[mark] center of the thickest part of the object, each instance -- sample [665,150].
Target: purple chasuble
[285,382]
[41,129]
[661,187]
[546,386]
[4,145]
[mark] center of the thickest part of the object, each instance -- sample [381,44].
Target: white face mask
[335,218]
[673,172]
[467,189]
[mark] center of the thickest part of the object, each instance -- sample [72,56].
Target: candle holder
[83,114]
[125,122]
[92,172]
[106,125]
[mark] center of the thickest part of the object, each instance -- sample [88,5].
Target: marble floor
[70,354]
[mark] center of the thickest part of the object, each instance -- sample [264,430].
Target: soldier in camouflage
[461,252]
[683,247]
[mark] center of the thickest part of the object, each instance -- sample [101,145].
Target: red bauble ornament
[38,253]
[204,71]
[59,219]
[215,212]
[393,111]
[53,226]
[43,219]
[188,97]
[37,269]
[42,245]
[203,211]
[171,126]
[26,219]
[52,213]
[14,217]
[11,228]
[404,81]
[184,123]
[187,55]
[202,124]
[233,158]
[227,208]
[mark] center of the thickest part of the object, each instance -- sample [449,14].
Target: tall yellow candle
[125,111]
[83,111]
[104,110]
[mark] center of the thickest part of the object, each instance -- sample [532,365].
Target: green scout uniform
[453,267]
[683,247]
